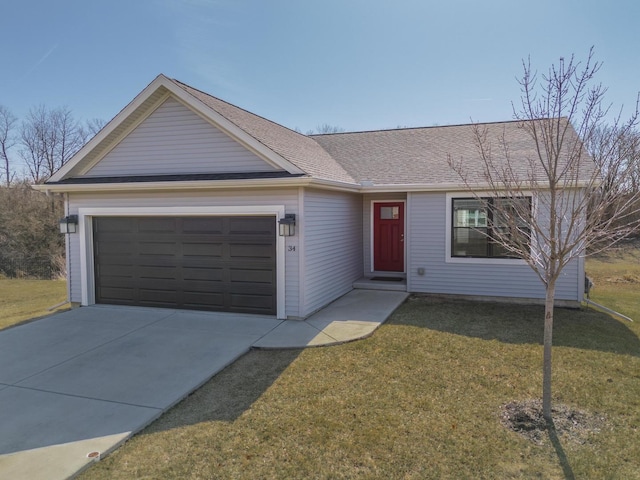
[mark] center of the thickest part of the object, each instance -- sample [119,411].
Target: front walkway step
[391,285]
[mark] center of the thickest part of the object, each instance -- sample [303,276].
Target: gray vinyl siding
[427,249]
[175,140]
[332,246]
[367,227]
[286,197]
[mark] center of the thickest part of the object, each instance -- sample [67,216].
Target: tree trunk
[548,342]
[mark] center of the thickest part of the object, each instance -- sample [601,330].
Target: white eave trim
[261,183]
[197,185]
[443,187]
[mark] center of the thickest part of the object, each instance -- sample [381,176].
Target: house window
[477,221]
[389,213]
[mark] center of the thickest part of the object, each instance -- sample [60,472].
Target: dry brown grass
[21,300]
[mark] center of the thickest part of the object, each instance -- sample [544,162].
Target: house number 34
[291,248]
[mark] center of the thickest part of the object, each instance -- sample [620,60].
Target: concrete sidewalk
[352,317]
[86,380]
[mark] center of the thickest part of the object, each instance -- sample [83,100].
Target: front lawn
[22,300]
[419,399]
[617,280]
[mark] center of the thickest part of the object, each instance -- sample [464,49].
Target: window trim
[449,232]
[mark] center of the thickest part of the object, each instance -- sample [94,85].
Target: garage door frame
[85,227]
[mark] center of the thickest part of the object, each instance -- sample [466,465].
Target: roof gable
[145,103]
[173,132]
[401,159]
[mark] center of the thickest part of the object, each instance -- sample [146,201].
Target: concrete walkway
[351,317]
[86,380]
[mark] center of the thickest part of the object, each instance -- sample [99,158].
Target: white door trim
[85,227]
[372,230]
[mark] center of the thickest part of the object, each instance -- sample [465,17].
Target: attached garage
[215,263]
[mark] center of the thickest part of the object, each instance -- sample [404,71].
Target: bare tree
[326,128]
[617,155]
[49,138]
[576,204]
[29,222]
[92,127]
[7,141]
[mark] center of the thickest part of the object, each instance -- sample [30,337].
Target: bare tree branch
[49,138]
[7,141]
[581,201]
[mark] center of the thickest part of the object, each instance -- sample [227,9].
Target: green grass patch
[617,280]
[420,399]
[22,300]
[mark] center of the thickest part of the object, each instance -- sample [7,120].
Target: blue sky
[357,64]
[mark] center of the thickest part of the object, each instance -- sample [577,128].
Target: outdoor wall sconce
[287,225]
[69,224]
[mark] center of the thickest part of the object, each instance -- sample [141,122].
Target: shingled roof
[301,150]
[416,157]
[420,155]
[410,156]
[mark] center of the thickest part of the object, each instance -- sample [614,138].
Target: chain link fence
[44,268]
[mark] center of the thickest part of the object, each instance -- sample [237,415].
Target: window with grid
[477,222]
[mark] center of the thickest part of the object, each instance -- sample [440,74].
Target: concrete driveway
[85,380]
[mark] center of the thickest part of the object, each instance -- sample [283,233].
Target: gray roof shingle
[410,156]
[420,155]
[301,150]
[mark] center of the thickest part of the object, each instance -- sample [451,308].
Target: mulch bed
[525,417]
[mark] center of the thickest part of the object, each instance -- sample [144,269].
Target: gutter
[196,185]
[364,187]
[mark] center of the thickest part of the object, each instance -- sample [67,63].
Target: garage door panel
[160,285]
[240,275]
[202,249]
[158,248]
[156,225]
[116,248]
[249,289]
[167,295]
[202,286]
[211,263]
[252,225]
[120,282]
[204,301]
[198,273]
[115,225]
[203,225]
[250,250]
[254,303]
[118,295]
[160,271]
[116,270]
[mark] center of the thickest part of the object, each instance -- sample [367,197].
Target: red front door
[388,237]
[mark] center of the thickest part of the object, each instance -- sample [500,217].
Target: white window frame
[479,260]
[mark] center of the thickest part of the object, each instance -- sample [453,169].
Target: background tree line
[31,150]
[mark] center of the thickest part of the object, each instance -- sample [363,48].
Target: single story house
[186,201]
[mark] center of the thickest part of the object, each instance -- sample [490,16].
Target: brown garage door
[203,263]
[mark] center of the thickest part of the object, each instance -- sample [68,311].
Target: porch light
[287,225]
[69,224]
